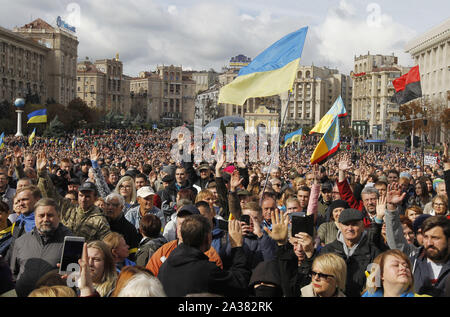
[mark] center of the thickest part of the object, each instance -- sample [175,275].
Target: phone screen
[246,219]
[303,224]
[72,252]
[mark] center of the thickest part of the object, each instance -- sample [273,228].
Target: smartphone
[246,219]
[303,224]
[71,253]
[223,224]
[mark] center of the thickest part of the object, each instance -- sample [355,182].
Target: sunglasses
[321,275]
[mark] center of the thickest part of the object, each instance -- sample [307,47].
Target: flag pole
[273,153]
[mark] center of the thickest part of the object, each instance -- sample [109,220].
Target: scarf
[26,221]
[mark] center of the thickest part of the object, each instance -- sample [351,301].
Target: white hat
[145,192]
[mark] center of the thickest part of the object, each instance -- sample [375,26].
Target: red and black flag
[407,87]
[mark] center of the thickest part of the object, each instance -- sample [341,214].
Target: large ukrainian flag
[329,144]
[38,116]
[338,109]
[272,72]
[292,137]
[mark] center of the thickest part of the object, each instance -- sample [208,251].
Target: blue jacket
[379,293]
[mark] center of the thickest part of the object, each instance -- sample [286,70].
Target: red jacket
[346,194]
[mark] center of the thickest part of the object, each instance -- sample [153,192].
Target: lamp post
[19,103]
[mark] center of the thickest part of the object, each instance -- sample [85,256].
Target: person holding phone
[37,252]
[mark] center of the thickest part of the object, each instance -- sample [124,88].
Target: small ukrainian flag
[2,143]
[31,137]
[38,116]
[292,137]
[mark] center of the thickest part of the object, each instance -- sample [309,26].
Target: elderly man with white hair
[114,204]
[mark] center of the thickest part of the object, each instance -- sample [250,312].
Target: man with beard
[431,262]
[37,252]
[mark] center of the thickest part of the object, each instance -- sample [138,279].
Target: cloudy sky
[204,34]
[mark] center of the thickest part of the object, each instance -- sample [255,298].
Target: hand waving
[280,222]
[41,161]
[394,194]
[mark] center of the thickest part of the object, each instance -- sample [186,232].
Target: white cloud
[345,34]
[172,9]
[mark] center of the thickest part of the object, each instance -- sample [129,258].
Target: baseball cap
[204,166]
[145,192]
[87,186]
[243,192]
[188,210]
[350,214]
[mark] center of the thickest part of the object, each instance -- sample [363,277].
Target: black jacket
[293,277]
[169,197]
[357,264]
[188,271]
[129,232]
[32,257]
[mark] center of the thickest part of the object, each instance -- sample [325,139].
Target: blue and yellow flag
[338,109]
[2,142]
[329,144]
[74,143]
[31,137]
[292,137]
[272,72]
[38,116]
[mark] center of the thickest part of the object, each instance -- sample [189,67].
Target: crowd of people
[154,227]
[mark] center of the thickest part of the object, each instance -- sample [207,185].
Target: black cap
[87,186]
[350,214]
[168,179]
[204,166]
[188,210]
[338,204]
[417,224]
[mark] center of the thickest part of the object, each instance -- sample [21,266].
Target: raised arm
[314,196]
[100,181]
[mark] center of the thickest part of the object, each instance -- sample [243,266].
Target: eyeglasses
[123,186]
[321,275]
[439,204]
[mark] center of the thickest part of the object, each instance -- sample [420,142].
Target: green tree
[55,129]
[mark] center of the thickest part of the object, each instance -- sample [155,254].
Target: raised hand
[394,195]
[94,154]
[345,165]
[381,207]
[235,180]
[306,241]
[41,161]
[280,222]
[85,281]
[235,233]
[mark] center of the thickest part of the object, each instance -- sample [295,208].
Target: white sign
[430,160]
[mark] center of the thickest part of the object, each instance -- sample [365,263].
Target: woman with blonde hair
[120,250]
[136,281]
[53,291]
[205,195]
[391,276]
[101,265]
[439,205]
[127,189]
[328,276]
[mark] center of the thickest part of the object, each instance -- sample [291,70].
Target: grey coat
[421,271]
[32,257]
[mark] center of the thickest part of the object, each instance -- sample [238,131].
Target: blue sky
[199,34]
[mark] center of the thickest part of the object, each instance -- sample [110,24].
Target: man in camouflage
[83,219]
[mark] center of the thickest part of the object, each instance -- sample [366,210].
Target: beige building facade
[372,91]
[431,51]
[23,67]
[314,92]
[166,95]
[61,63]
